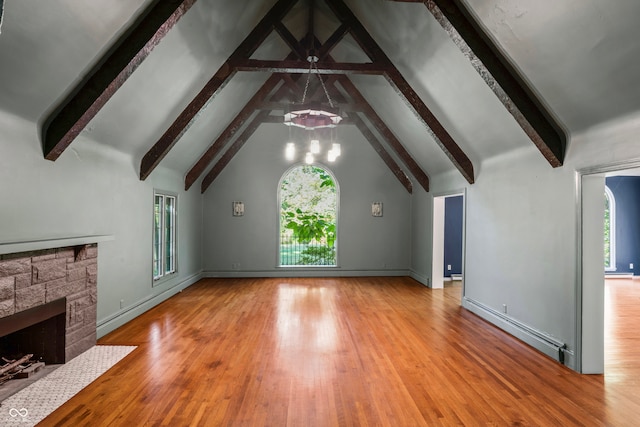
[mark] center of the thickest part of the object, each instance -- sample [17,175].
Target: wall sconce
[238,208]
[376,209]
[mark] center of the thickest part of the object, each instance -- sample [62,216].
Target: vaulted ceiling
[433,86]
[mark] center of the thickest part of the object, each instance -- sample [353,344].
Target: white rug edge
[35,402]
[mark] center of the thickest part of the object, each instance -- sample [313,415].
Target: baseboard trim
[539,340]
[131,312]
[425,280]
[299,272]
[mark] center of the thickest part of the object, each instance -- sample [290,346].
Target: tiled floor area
[32,404]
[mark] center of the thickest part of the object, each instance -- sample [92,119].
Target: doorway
[447,264]
[590,296]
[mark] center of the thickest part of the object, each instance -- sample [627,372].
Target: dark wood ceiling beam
[302,67]
[236,124]
[297,91]
[291,41]
[501,76]
[386,158]
[332,41]
[385,132]
[433,125]
[233,150]
[249,45]
[85,101]
[404,89]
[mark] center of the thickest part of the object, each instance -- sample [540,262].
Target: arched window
[308,200]
[609,230]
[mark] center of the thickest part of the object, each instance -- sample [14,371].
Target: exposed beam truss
[108,75]
[502,78]
[244,51]
[87,99]
[404,89]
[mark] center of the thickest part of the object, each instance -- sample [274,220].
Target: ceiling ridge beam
[501,76]
[232,151]
[385,132]
[72,115]
[403,88]
[180,125]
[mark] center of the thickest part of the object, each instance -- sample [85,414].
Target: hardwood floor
[339,352]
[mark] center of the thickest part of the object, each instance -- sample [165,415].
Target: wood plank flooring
[338,352]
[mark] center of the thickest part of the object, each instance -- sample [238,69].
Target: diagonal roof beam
[108,75]
[250,44]
[504,80]
[377,55]
[233,150]
[291,41]
[386,133]
[379,148]
[252,105]
[332,41]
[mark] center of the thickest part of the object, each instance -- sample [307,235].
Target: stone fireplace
[48,299]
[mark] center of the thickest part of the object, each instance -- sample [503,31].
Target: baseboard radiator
[541,341]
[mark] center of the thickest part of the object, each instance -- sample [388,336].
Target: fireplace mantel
[36,245]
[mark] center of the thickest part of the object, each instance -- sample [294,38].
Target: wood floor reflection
[335,352]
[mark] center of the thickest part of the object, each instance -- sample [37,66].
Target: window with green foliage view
[308,206]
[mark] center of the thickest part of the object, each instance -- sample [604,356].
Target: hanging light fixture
[313,115]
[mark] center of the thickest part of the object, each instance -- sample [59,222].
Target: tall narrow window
[308,214]
[164,235]
[609,230]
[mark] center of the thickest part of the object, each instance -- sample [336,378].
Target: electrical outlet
[504,308]
[631,266]
[121,303]
[449,267]
[235,266]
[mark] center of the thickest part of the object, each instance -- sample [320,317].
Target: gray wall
[94,190]
[366,245]
[522,239]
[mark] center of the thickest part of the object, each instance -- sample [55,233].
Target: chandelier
[313,116]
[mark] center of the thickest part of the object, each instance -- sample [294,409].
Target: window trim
[612,229]
[165,272]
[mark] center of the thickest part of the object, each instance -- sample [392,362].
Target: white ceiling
[581,56]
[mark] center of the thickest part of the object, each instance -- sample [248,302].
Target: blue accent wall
[453,235]
[626,191]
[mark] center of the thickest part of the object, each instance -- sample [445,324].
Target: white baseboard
[539,340]
[425,280]
[300,272]
[131,312]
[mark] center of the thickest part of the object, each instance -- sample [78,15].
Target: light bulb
[290,151]
[336,149]
[308,159]
[314,146]
[331,156]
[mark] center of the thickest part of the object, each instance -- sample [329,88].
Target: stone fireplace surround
[33,278]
